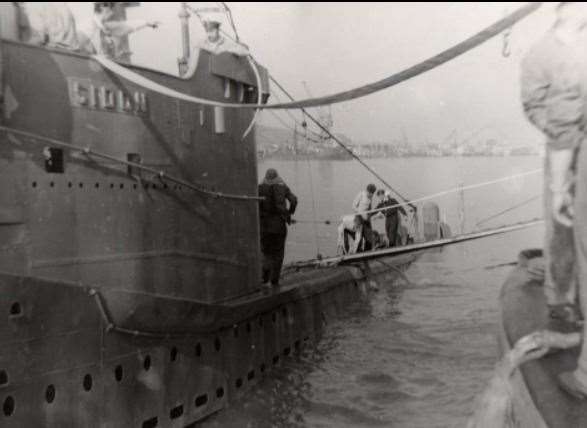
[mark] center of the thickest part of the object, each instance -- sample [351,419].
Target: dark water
[419,354]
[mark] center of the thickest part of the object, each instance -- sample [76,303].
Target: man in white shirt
[50,24]
[103,36]
[216,43]
[363,201]
[351,237]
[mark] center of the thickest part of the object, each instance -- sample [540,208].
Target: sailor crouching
[275,215]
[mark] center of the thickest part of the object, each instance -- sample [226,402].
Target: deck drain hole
[217,344]
[198,350]
[275,359]
[8,406]
[287,351]
[262,368]
[201,400]
[239,382]
[220,392]
[87,383]
[235,330]
[274,317]
[248,327]
[50,394]
[15,309]
[173,354]
[118,372]
[3,377]
[251,375]
[150,423]
[147,363]
[176,412]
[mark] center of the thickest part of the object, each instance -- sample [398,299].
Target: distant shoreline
[414,156]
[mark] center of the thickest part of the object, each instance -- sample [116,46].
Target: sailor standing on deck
[102,34]
[49,24]
[392,216]
[554,94]
[361,205]
[216,43]
[275,215]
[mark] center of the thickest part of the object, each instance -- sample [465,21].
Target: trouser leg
[266,257]
[559,253]
[347,235]
[391,230]
[278,253]
[367,236]
[580,229]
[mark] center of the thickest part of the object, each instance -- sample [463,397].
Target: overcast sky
[337,46]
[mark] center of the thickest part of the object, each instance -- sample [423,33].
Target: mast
[184,18]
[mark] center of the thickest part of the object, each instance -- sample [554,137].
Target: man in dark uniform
[392,219]
[275,215]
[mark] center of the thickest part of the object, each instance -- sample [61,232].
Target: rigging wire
[314,224]
[449,191]
[458,189]
[341,144]
[228,14]
[507,210]
[303,124]
[289,127]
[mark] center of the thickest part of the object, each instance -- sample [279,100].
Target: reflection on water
[419,353]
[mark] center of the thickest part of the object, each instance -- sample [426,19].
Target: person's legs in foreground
[576,382]
[559,261]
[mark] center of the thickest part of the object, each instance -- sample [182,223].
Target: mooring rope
[393,80]
[493,406]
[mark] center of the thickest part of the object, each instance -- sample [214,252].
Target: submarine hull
[77,366]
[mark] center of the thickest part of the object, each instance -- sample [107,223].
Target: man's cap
[210,24]
[371,188]
[99,5]
[271,174]
[104,4]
